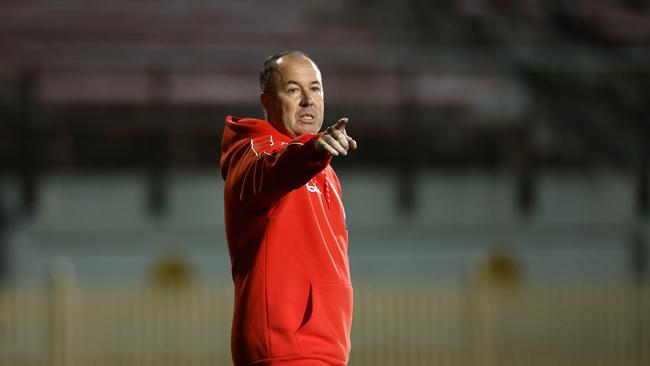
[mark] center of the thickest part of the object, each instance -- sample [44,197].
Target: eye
[315,89]
[292,91]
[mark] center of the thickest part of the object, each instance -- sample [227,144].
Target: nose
[306,100]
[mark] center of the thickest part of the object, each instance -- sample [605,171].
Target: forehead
[297,69]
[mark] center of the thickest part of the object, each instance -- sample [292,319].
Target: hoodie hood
[239,131]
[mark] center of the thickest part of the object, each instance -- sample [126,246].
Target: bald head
[271,65]
[292,93]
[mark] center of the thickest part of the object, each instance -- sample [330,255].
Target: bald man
[285,223]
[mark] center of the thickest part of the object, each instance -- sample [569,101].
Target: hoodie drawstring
[326,189]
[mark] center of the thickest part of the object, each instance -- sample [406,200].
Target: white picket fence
[70,324]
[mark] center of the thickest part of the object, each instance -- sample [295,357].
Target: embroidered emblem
[312,187]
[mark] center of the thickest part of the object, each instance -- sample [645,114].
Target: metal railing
[69,324]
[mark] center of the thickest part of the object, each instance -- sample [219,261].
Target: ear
[265,100]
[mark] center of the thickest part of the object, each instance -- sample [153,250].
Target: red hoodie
[288,243]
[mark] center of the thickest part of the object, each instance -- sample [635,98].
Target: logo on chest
[312,187]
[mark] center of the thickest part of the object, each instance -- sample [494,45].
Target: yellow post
[61,276]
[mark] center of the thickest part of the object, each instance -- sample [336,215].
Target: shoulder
[267,144]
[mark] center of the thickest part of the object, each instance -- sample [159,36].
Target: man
[285,224]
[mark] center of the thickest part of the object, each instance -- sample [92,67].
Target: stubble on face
[295,105]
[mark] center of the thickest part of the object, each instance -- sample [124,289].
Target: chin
[307,129]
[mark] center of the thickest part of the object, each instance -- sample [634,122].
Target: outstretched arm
[265,172]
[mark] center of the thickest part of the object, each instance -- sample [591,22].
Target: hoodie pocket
[327,327]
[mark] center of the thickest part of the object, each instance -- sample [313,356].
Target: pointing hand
[335,140]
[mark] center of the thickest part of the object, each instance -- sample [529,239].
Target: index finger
[340,125]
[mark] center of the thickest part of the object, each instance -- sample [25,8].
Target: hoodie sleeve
[263,170]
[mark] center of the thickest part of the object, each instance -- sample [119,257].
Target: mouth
[306,117]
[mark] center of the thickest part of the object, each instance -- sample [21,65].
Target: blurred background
[498,204]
